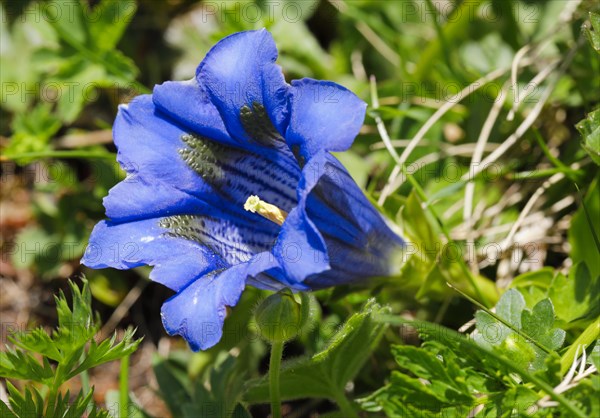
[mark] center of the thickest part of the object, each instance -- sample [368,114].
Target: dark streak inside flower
[301,160]
[224,238]
[236,174]
[258,126]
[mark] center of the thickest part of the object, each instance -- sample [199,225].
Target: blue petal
[155,148]
[359,242]
[188,104]
[240,71]
[300,248]
[275,279]
[227,230]
[139,198]
[198,311]
[148,143]
[324,117]
[334,235]
[123,246]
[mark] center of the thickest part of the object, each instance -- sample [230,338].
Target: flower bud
[280,317]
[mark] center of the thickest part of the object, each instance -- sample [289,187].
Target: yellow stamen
[266,210]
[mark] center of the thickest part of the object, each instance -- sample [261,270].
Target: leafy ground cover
[481,145]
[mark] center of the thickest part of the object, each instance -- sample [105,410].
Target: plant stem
[124,388]
[274,366]
[60,154]
[587,337]
[345,405]
[53,392]
[85,377]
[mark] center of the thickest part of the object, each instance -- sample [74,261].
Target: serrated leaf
[432,379]
[67,407]
[121,69]
[325,374]
[77,81]
[539,324]
[585,395]
[107,351]
[82,56]
[76,326]
[27,404]
[436,369]
[492,366]
[530,336]
[67,347]
[17,364]
[37,341]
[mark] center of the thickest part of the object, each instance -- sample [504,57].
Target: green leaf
[22,40]
[418,225]
[529,336]
[67,407]
[29,403]
[68,19]
[77,80]
[539,324]
[595,355]
[580,235]
[17,364]
[575,296]
[534,285]
[107,350]
[593,33]
[444,383]
[510,307]
[174,385]
[517,401]
[32,131]
[76,326]
[226,381]
[111,17]
[589,128]
[325,374]
[66,347]
[80,58]
[491,365]
[37,341]
[586,394]
[5,411]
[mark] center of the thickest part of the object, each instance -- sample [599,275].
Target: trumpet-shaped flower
[230,182]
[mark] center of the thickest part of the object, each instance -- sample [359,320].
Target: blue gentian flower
[197,152]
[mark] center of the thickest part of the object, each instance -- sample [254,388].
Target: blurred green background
[506,89]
